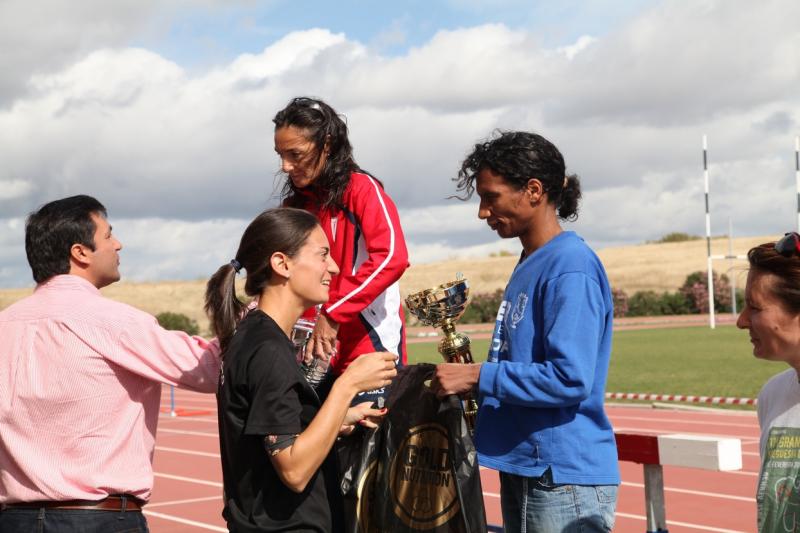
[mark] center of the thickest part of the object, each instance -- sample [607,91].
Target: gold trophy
[441,307]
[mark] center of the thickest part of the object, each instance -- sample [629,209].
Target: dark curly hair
[323,125]
[518,156]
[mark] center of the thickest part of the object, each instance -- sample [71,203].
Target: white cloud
[166,147]
[160,248]
[12,189]
[579,46]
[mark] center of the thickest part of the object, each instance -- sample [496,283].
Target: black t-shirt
[263,392]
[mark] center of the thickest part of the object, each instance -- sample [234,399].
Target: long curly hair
[322,125]
[518,156]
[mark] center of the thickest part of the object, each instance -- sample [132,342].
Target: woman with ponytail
[541,421]
[275,435]
[363,312]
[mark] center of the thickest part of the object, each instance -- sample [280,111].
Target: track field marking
[196,481]
[668,432]
[191,500]
[164,418]
[668,489]
[187,452]
[743,473]
[694,492]
[190,405]
[644,519]
[684,421]
[180,520]
[683,524]
[189,399]
[188,432]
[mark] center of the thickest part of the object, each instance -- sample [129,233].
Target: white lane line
[187,432]
[669,489]
[191,406]
[190,480]
[180,520]
[666,432]
[165,418]
[669,522]
[180,402]
[187,452]
[683,524]
[180,502]
[684,421]
[743,473]
[695,492]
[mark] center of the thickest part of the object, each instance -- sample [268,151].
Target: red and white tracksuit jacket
[368,245]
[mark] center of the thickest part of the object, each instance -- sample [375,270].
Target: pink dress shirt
[80,389]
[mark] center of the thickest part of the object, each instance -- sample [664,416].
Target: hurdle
[656,451]
[691,451]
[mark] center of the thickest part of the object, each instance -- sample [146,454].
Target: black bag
[418,471]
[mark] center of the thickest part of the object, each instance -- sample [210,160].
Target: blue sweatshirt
[541,391]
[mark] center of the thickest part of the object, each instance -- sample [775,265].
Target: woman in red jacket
[364,311]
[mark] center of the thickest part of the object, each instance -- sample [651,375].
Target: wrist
[344,387]
[323,312]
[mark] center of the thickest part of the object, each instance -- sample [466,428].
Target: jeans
[42,520]
[537,505]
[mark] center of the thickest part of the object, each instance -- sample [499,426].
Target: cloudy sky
[162,110]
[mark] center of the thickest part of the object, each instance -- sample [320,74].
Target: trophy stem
[448,328]
[441,307]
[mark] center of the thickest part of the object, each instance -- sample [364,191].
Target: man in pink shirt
[80,383]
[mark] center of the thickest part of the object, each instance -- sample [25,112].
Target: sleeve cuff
[486,379]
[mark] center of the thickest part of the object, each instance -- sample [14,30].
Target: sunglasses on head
[310,103]
[789,245]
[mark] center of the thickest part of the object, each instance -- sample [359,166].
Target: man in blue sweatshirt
[541,421]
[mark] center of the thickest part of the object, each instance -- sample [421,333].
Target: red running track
[188,480]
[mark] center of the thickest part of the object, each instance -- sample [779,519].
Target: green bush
[675,303]
[620,298]
[650,303]
[675,236]
[739,300]
[645,303]
[482,308]
[178,322]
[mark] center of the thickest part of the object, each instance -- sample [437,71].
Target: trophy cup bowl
[441,307]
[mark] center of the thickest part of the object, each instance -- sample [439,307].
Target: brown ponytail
[282,229]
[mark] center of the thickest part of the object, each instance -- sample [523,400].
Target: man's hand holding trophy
[441,307]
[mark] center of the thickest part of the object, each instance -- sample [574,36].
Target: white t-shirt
[778,493]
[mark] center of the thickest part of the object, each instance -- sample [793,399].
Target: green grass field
[694,360]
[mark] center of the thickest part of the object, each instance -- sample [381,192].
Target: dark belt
[111,503]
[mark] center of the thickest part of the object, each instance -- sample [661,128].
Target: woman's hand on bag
[362,414]
[322,343]
[370,372]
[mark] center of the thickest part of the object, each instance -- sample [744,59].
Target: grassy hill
[659,267]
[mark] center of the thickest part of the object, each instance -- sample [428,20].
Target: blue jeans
[537,505]
[42,520]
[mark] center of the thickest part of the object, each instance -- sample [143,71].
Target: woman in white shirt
[772,316]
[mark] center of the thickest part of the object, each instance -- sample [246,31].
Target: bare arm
[297,463]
